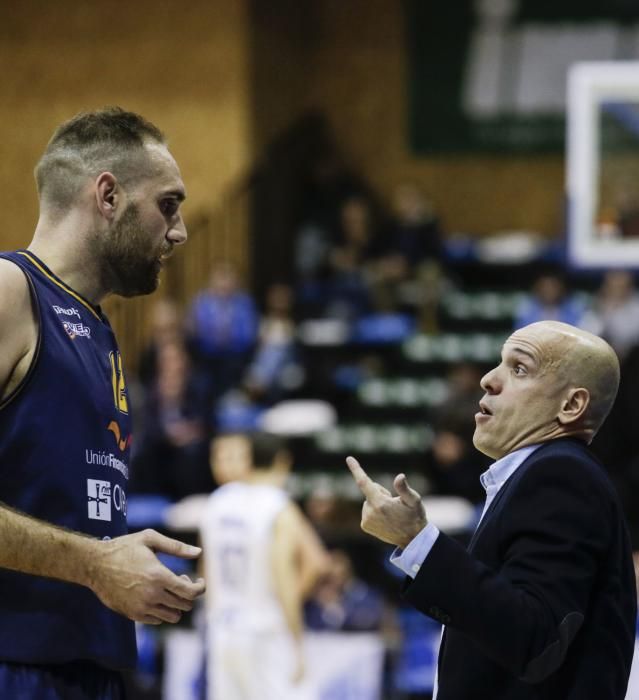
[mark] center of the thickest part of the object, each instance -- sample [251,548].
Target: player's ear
[107,194]
[574,405]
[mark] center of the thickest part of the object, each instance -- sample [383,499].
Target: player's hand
[393,519]
[128,578]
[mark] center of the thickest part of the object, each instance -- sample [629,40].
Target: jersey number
[118,383]
[233,569]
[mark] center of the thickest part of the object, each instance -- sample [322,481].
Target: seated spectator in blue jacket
[342,602]
[223,323]
[275,370]
[549,300]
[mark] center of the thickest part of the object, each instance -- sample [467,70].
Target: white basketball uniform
[251,654]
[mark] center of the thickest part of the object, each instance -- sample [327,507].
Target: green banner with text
[490,75]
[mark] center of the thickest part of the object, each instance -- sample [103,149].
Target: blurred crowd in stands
[364,283]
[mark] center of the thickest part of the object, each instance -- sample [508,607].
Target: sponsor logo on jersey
[67,312]
[76,329]
[102,497]
[106,459]
[99,493]
[122,441]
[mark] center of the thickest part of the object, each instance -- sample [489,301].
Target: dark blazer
[543,603]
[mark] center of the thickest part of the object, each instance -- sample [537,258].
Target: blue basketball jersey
[64,458]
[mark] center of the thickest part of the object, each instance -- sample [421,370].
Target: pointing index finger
[365,483]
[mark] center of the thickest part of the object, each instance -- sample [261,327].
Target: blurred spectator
[409,270]
[312,248]
[166,325]
[172,455]
[615,312]
[323,509]
[629,222]
[464,384]
[327,184]
[351,260]
[343,602]
[333,514]
[275,370]
[549,300]
[627,209]
[414,234]
[223,322]
[456,464]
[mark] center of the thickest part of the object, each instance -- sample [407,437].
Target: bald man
[543,602]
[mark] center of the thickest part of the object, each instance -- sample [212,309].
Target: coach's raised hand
[393,519]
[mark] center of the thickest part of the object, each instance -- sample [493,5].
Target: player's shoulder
[289,514]
[14,290]
[223,493]
[13,280]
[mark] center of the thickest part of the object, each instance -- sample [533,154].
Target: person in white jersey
[263,558]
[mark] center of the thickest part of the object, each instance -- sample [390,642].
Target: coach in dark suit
[543,603]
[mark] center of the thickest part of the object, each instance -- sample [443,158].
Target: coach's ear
[574,406]
[107,194]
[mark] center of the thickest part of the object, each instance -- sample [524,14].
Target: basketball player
[72,580]
[261,560]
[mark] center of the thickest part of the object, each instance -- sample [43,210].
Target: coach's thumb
[408,495]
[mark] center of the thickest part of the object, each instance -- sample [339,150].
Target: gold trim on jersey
[60,284]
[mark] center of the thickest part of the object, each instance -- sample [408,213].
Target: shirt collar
[499,472]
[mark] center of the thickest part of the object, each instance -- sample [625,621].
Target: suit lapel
[499,498]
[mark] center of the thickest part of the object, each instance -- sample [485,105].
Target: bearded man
[72,580]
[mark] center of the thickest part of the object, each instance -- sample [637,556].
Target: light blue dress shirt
[410,559]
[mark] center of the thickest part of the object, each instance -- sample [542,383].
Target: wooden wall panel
[182,65]
[185,66]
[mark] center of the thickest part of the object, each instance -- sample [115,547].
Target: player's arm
[286,575]
[285,569]
[124,572]
[312,557]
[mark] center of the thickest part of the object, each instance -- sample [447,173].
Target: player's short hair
[109,139]
[265,447]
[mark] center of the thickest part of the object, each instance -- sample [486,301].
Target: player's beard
[130,266]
